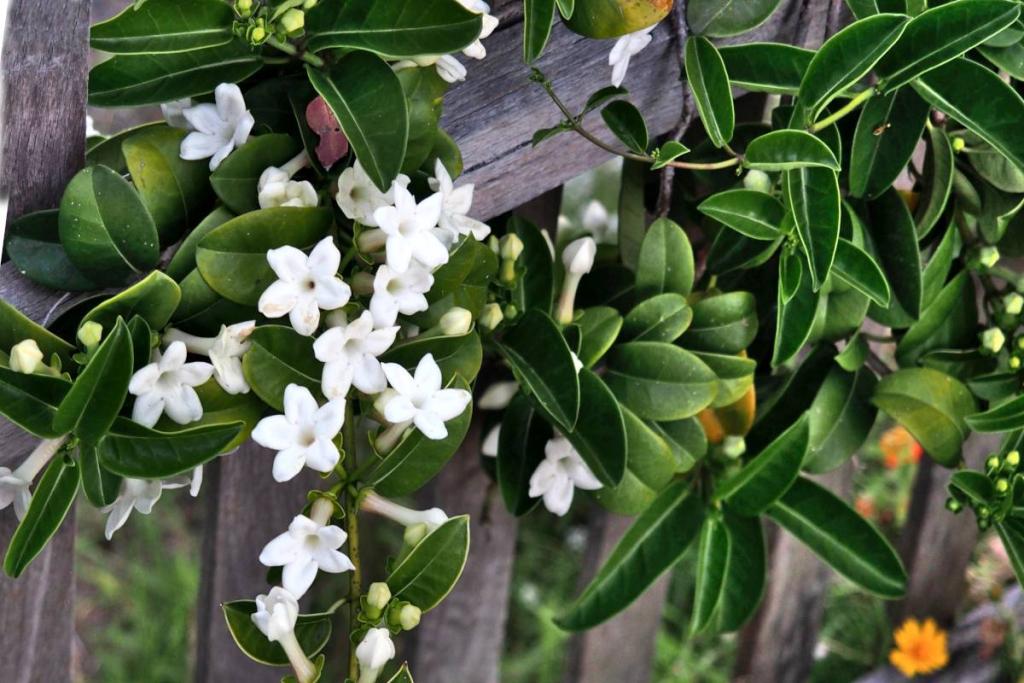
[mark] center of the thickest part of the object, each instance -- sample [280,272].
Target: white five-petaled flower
[276,188]
[167,386]
[14,486]
[225,352]
[306,548]
[560,472]
[624,48]
[304,435]
[476,49]
[358,197]
[349,354]
[305,285]
[420,399]
[455,205]
[410,229]
[217,128]
[399,292]
[373,652]
[276,615]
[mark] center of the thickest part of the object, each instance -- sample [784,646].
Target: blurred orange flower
[899,447]
[920,648]
[865,506]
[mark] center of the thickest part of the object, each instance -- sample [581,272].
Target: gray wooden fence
[493,116]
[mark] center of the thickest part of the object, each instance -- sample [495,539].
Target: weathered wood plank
[44,68]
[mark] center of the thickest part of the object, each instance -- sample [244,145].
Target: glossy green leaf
[537,18]
[754,214]
[541,359]
[600,432]
[98,393]
[841,417]
[1009,59]
[791,272]
[667,153]
[524,433]
[15,327]
[235,180]
[766,67]
[813,197]
[649,468]
[220,408]
[455,354]
[101,486]
[858,269]
[941,34]
[132,450]
[686,440]
[31,401]
[843,60]
[743,584]
[632,212]
[732,251]
[164,26]
[398,28]
[279,356]
[721,18]
[1001,418]
[430,571]
[184,260]
[665,261]
[840,537]
[735,376]
[232,258]
[887,132]
[795,316]
[948,322]
[134,80]
[932,406]
[764,479]
[660,381]
[724,323]
[33,243]
[894,235]
[992,166]
[1011,533]
[655,542]
[971,486]
[661,318]
[313,632]
[416,459]
[203,311]
[105,228]
[785,150]
[599,328]
[363,91]
[535,286]
[107,151]
[51,501]
[783,406]
[709,82]
[153,298]
[712,558]
[627,123]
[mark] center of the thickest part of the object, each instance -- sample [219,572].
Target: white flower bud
[758,181]
[415,533]
[988,256]
[578,256]
[90,334]
[734,446]
[378,596]
[26,356]
[491,316]
[375,650]
[409,617]
[993,339]
[511,246]
[497,396]
[293,20]
[1014,303]
[456,322]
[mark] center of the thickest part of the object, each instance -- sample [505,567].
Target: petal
[332,536]
[118,515]
[280,551]
[197,146]
[332,561]
[431,425]
[220,155]
[429,250]
[399,378]
[399,409]
[299,405]
[324,259]
[289,463]
[336,379]
[242,129]
[384,309]
[230,102]
[205,119]
[543,478]
[329,347]
[174,357]
[558,498]
[276,433]
[581,475]
[329,419]
[322,455]
[147,409]
[448,404]
[399,253]
[278,299]
[194,374]
[368,376]
[379,341]
[297,577]
[144,381]
[332,293]
[305,317]
[619,71]
[428,374]
[288,263]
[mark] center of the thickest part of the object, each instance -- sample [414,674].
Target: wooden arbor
[493,116]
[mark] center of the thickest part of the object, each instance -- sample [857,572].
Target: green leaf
[981,101]
[842,61]
[1001,418]
[524,433]
[840,537]
[813,197]
[795,316]
[791,272]
[971,486]
[105,228]
[153,298]
[655,542]
[1011,532]
[858,269]
[397,28]
[887,132]
[686,440]
[743,584]
[709,83]
[164,26]
[430,571]
[50,504]
[599,328]
[660,381]
[932,406]
[313,632]
[941,34]
[101,486]
[232,258]
[541,359]
[1009,59]
[132,450]
[732,251]
[455,354]
[949,322]
[403,675]
[15,327]
[649,468]
[98,393]
[463,281]
[363,91]
[723,323]
[777,410]
[31,401]
[33,243]
[183,262]
[735,376]
[712,558]
[721,18]
[661,318]
[203,311]
[894,236]
[665,262]
[416,459]
[627,123]
[107,151]
[768,476]
[632,212]
[667,153]
[600,432]
[785,150]
[279,356]
[134,80]
[235,180]
[840,418]
[537,18]
[535,286]
[766,67]
[754,214]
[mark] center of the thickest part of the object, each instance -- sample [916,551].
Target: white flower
[498,396]
[304,435]
[276,188]
[598,223]
[174,112]
[375,650]
[26,357]
[476,49]
[489,446]
[358,197]
[305,285]
[135,494]
[624,48]
[456,322]
[166,386]
[432,518]
[306,548]
[410,230]
[561,471]
[578,256]
[90,128]
[225,351]
[349,354]
[399,292]
[450,69]
[421,400]
[276,614]
[455,204]
[217,128]
[14,486]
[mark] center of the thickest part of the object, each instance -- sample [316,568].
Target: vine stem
[290,49]
[352,525]
[850,106]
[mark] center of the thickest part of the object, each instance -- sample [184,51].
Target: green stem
[290,49]
[850,106]
[352,524]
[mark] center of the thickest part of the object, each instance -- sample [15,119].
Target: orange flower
[920,648]
[865,506]
[899,447]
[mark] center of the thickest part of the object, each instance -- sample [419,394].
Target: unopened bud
[415,533]
[578,256]
[26,357]
[243,8]
[954,505]
[758,181]
[1014,363]
[456,322]
[378,596]
[988,256]
[309,4]
[293,20]
[257,35]
[1013,458]
[90,334]
[409,617]
[511,246]
[1013,303]
[1002,485]
[991,463]
[493,244]
[511,311]
[959,144]
[734,446]
[490,317]
[993,339]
